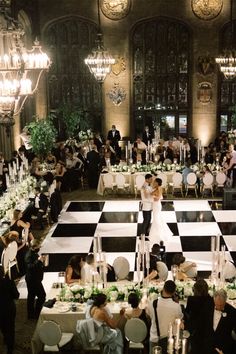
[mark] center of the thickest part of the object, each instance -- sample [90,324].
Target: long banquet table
[129,178]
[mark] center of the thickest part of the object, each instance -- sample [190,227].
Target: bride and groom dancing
[151,195]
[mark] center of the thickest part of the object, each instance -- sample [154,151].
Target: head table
[66,316]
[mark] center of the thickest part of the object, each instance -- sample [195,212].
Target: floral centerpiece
[151,168]
[85,135]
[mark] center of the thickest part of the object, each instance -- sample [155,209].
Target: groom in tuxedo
[146,197]
[219,322]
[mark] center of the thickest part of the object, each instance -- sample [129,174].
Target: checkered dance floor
[118,223]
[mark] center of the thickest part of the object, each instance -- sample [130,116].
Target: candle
[7,181]
[177,321]
[218,243]
[198,150]
[213,243]
[184,346]
[126,152]
[170,331]
[17,164]
[99,244]
[170,345]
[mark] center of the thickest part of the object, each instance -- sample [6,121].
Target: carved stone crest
[119,66]
[115,9]
[207,9]
[204,93]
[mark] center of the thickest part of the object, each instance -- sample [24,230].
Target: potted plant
[42,136]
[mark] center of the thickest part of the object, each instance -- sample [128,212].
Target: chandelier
[20,68]
[99,61]
[227,61]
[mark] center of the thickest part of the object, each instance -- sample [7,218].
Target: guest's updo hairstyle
[133,300]
[99,300]
[200,288]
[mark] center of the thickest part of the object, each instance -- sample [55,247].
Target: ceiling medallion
[115,9]
[207,9]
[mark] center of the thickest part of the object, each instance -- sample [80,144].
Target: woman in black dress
[73,270]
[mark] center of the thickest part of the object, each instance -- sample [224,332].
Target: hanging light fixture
[227,61]
[99,61]
[20,68]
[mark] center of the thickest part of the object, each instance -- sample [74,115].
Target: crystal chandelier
[227,61]
[20,68]
[99,61]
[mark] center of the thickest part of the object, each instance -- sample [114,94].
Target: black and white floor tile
[118,223]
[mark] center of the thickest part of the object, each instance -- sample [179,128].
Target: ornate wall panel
[161,51]
[69,41]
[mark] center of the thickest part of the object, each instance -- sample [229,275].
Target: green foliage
[72,118]
[42,135]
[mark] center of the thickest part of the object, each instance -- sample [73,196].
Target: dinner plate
[63,309]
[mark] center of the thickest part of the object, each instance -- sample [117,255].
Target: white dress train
[159,230]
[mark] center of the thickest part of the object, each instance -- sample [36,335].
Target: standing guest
[73,270]
[3,171]
[93,159]
[146,196]
[56,201]
[147,136]
[114,137]
[8,293]
[39,207]
[219,321]
[60,152]
[155,256]
[108,154]
[163,312]
[34,276]
[59,173]
[98,141]
[139,151]
[232,164]
[196,308]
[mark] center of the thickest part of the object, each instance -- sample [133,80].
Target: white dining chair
[108,182]
[135,333]
[138,183]
[207,183]
[52,337]
[220,179]
[121,184]
[162,270]
[8,259]
[163,177]
[177,183]
[121,268]
[191,183]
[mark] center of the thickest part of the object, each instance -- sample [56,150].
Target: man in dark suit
[39,206]
[147,136]
[93,160]
[114,137]
[219,322]
[56,202]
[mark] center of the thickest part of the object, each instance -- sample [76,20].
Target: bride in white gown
[159,230]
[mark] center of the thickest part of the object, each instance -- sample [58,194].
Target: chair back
[162,270]
[8,258]
[49,333]
[191,272]
[120,180]
[139,181]
[108,180]
[177,179]
[191,178]
[135,330]
[208,179]
[163,177]
[220,178]
[121,267]
[167,162]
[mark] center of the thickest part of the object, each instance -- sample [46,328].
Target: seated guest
[89,273]
[51,161]
[39,207]
[135,311]
[139,151]
[194,315]
[8,295]
[19,225]
[112,336]
[184,268]
[73,270]
[156,255]
[38,172]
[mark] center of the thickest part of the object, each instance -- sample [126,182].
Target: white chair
[163,177]
[135,332]
[121,267]
[139,182]
[191,183]
[177,182]
[167,162]
[229,271]
[162,270]
[8,258]
[52,337]
[191,272]
[220,179]
[109,185]
[207,183]
[120,183]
